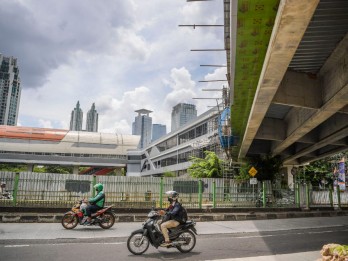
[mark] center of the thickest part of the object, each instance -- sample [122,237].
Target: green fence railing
[63,190]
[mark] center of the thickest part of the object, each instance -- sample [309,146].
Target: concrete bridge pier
[76,170]
[30,167]
[290,177]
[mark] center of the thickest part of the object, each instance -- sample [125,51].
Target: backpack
[183,214]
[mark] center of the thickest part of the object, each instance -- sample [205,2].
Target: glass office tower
[10,90]
[76,118]
[182,114]
[92,120]
[143,126]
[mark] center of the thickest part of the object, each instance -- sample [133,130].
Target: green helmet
[99,187]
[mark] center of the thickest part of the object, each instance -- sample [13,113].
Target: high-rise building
[10,90]
[143,126]
[92,120]
[158,130]
[76,118]
[181,114]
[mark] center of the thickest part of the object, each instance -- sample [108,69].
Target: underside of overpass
[288,75]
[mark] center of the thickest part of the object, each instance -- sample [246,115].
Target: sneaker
[166,244]
[88,222]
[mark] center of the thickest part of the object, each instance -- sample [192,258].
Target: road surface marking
[63,244]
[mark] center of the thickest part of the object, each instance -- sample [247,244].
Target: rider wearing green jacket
[95,203]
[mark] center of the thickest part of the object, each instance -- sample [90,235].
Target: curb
[198,217]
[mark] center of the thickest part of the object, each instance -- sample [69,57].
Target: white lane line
[16,246]
[256,236]
[63,244]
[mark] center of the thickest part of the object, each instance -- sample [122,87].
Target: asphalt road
[208,247]
[280,239]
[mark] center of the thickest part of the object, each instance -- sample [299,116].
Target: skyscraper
[143,126]
[10,90]
[92,120]
[181,114]
[76,118]
[158,130]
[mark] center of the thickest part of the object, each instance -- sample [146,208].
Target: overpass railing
[49,190]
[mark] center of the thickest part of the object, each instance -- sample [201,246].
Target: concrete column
[76,170]
[30,167]
[290,178]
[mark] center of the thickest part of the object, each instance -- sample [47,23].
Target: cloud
[182,88]
[45,123]
[43,40]
[120,55]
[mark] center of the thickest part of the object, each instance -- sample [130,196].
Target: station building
[171,153]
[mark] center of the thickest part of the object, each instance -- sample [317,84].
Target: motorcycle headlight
[148,221]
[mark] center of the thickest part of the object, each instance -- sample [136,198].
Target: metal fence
[63,190]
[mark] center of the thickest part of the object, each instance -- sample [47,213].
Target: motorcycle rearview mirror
[153,205]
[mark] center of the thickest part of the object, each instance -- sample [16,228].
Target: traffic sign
[253,181]
[252,171]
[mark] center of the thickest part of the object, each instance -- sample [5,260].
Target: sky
[122,55]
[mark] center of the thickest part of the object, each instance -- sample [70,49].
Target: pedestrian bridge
[31,146]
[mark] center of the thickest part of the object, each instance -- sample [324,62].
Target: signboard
[252,171]
[253,181]
[341,182]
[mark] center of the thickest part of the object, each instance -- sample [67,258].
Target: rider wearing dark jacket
[95,203]
[174,211]
[172,217]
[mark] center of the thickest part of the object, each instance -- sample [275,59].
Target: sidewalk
[210,215]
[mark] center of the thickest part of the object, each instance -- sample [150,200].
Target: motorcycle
[6,195]
[104,217]
[183,236]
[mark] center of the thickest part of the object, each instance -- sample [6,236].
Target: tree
[323,169]
[169,174]
[267,167]
[209,167]
[317,171]
[58,169]
[13,167]
[243,174]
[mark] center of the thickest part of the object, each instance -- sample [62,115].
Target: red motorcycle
[103,218]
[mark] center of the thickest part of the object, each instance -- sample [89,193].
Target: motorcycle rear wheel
[69,221]
[134,244]
[190,239]
[107,220]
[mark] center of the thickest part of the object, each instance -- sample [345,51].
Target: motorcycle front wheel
[69,221]
[137,243]
[107,220]
[190,241]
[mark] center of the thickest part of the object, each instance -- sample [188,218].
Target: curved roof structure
[55,146]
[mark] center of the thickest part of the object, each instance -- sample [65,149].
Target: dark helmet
[172,195]
[99,187]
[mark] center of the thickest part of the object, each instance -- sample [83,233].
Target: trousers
[166,225]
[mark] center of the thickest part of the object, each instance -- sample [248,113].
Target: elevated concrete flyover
[299,107]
